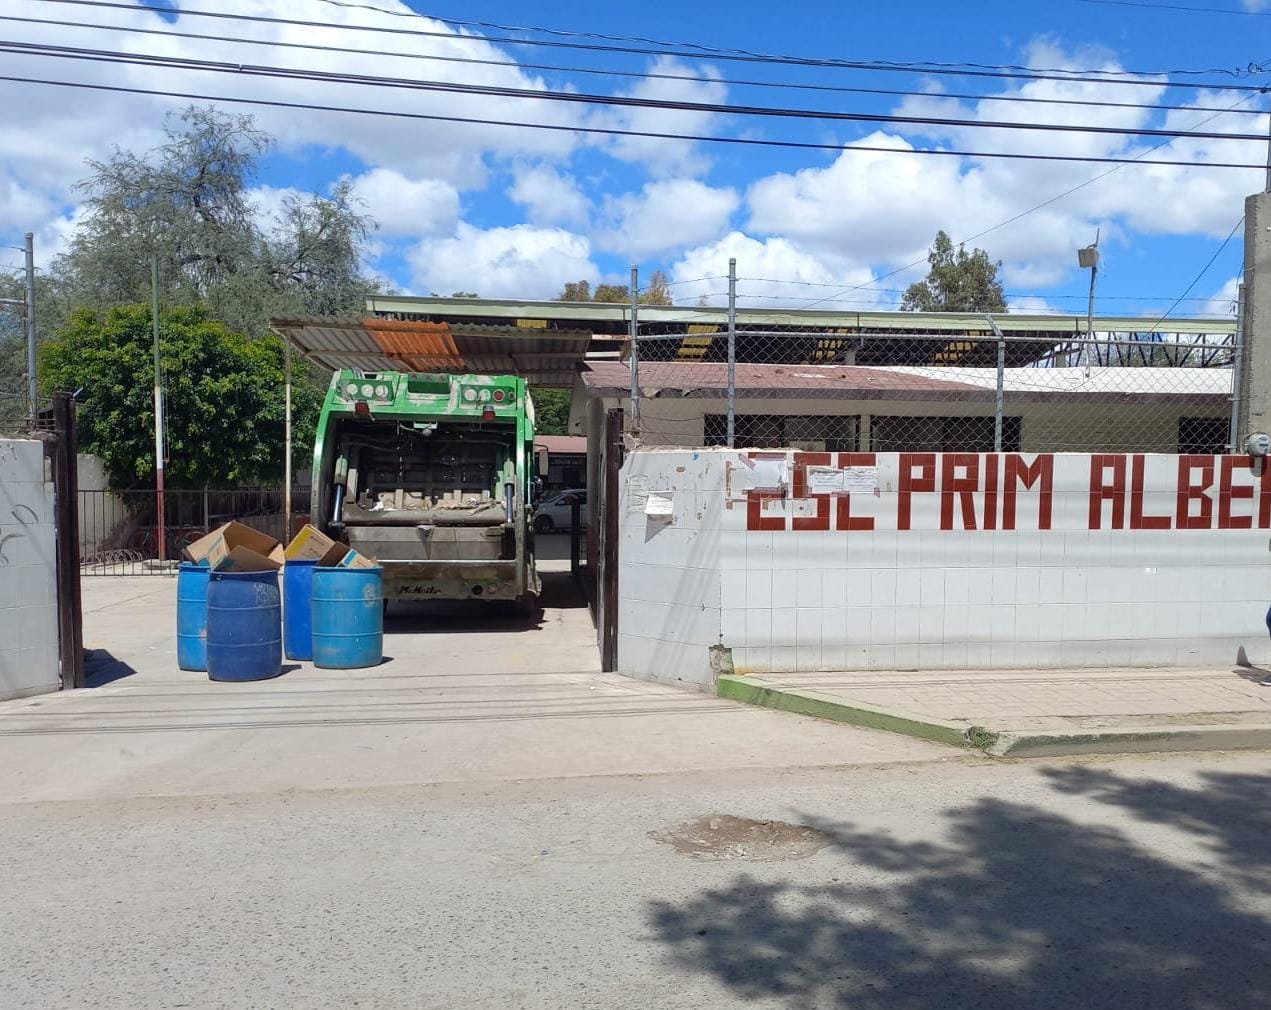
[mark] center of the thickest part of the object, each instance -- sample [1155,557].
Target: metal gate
[120,534]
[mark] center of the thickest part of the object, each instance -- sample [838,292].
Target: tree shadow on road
[1014,906]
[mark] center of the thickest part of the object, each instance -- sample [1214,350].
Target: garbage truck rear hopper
[431,476]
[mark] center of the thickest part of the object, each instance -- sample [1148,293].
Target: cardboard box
[238,548]
[311,544]
[352,559]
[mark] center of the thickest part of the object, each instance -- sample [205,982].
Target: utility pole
[29,315]
[158,408]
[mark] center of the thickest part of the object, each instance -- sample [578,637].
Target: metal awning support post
[635,352]
[999,402]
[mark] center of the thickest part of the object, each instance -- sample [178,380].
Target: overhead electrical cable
[633,74]
[1086,77]
[1203,270]
[616,132]
[582,98]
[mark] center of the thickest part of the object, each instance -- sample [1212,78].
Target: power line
[583,98]
[1178,7]
[716,51]
[616,132]
[1204,270]
[1044,204]
[1085,77]
[634,74]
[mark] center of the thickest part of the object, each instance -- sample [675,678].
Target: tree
[551,411]
[223,396]
[188,203]
[656,292]
[958,281]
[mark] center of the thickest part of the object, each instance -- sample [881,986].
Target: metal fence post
[732,348]
[70,616]
[1237,372]
[999,402]
[635,353]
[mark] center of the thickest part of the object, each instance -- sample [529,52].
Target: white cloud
[1221,303]
[667,157]
[517,262]
[771,272]
[548,196]
[884,209]
[665,214]
[404,206]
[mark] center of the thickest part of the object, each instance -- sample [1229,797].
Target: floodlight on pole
[1088,259]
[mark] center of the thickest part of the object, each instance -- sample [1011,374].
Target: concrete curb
[994,742]
[771,695]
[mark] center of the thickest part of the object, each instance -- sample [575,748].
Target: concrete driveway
[465,694]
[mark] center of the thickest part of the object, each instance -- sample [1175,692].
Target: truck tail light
[488,413]
[362,408]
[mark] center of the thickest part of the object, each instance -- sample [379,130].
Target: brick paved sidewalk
[1055,711]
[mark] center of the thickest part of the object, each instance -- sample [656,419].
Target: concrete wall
[1044,427]
[942,562]
[28,588]
[102,513]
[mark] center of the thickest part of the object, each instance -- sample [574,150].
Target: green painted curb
[995,743]
[784,699]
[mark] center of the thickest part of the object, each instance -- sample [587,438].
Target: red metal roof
[562,444]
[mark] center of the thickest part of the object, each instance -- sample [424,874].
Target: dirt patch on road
[722,836]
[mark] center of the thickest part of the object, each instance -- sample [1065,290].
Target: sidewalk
[1035,712]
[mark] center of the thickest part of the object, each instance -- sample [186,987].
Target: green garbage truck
[430,475]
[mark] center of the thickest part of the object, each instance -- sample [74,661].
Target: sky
[514,212]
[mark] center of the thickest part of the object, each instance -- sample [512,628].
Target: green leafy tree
[656,292]
[958,281]
[188,203]
[551,411]
[223,397]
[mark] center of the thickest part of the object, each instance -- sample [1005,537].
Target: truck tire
[543,524]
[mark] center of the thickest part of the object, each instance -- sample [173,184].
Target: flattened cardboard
[236,547]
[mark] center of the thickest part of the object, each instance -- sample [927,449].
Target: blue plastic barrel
[297,609]
[348,617]
[191,617]
[244,626]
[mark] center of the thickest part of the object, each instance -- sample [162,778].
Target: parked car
[555,512]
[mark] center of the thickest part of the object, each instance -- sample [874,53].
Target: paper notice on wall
[767,475]
[861,478]
[637,492]
[825,480]
[660,503]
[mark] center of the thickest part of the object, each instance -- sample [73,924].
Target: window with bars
[941,434]
[815,433]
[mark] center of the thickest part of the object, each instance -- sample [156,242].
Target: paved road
[1131,884]
[467,826]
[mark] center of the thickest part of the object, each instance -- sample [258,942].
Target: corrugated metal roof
[610,317]
[543,357]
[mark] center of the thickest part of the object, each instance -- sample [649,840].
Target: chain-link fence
[955,388]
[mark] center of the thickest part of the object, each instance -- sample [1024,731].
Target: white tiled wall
[28,593]
[924,598]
